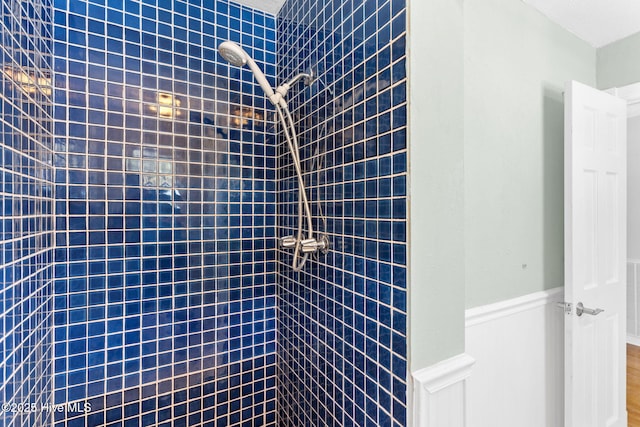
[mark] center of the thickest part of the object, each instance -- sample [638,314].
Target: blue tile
[115,214]
[375,190]
[26,196]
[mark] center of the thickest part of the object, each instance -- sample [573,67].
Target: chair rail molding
[439,393]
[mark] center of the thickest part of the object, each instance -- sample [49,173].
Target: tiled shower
[145,186]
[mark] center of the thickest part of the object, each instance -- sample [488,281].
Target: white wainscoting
[518,376]
[439,393]
[633,301]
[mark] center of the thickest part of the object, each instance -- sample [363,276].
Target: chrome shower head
[233,53]
[239,57]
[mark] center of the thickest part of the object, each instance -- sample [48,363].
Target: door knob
[580,309]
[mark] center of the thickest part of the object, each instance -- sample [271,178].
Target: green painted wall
[619,63]
[436,262]
[516,64]
[486,160]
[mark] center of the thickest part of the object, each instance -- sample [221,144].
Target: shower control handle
[309,246]
[288,242]
[313,245]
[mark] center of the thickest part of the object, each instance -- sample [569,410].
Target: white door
[595,252]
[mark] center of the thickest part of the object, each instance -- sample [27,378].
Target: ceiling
[269,6]
[599,22]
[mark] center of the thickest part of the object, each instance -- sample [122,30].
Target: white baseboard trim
[439,393]
[519,371]
[633,340]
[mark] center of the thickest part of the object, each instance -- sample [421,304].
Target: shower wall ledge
[269,6]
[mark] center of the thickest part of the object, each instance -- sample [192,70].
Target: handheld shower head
[303,245]
[233,53]
[239,57]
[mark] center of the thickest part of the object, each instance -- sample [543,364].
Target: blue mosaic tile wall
[165,290]
[26,205]
[342,341]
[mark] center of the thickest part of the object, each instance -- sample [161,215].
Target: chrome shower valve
[313,245]
[307,246]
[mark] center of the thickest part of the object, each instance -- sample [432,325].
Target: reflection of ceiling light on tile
[166,111]
[167,104]
[29,84]
[243,115]
[239,120]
